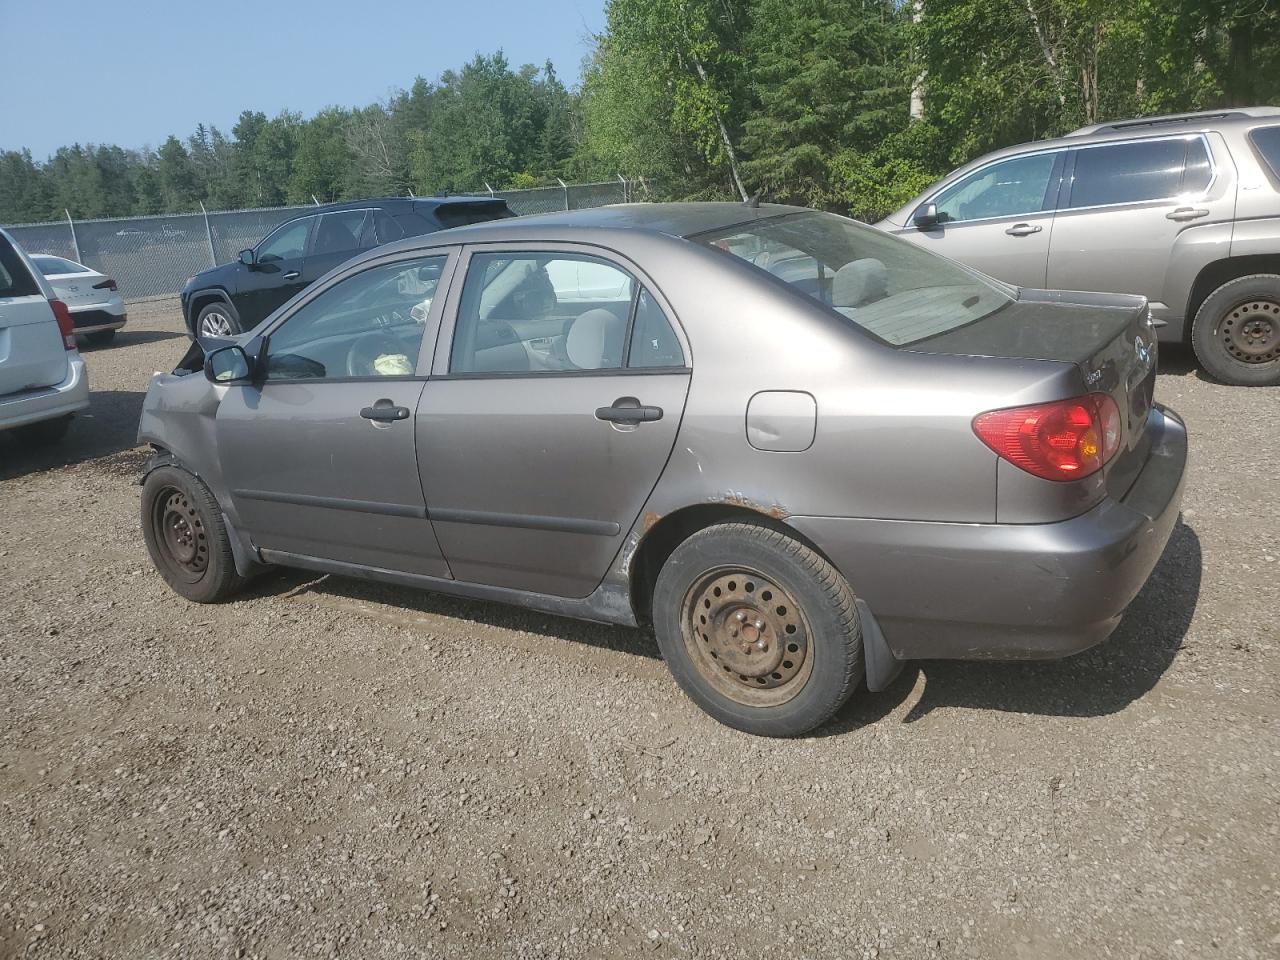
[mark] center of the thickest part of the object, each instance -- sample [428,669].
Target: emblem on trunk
[1142,351]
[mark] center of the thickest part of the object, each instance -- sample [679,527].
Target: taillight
[66,326]
[1063,440]
[107,284]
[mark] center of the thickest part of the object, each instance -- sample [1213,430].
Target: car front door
[319,452]
[557,391]
[998,219]
[1124,205]
[337,238]
[277,273]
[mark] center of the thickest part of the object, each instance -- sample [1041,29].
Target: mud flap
[882,667]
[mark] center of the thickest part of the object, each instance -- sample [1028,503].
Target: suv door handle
[384,411]
[1186,213]
[628,410]
[1023,229]
[292,275]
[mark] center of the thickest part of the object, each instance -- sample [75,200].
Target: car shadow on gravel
[109,426]
[128,338]
[1099,681]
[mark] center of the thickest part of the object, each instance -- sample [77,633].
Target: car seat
[595,340]
[859,282]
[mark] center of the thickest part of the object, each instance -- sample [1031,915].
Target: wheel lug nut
[741,615]
[759,624]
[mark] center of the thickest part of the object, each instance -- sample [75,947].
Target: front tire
[217,320]
[186,536]
[1236,332]
[758,629]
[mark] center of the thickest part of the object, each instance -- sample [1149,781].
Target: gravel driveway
[327,767]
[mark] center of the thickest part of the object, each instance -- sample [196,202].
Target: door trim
[334,503]
[528,521]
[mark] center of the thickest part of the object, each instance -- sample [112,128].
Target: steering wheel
[368,348]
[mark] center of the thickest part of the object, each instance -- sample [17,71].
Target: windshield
[890,288]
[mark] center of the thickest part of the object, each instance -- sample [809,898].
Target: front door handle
[628,410]
[1023,229]
[384,411]
[1186,213]
[292,275]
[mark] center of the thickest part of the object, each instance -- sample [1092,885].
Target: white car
[93,298]
[42,377]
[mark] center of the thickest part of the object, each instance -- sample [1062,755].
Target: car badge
[1142,351]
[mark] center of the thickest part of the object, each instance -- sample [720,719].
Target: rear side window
[15,278]
[462,214]
[339,232]
[1133,172]
[1266,141]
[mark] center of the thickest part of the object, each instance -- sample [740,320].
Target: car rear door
[555,399]
[319,452]
[32,352]
[336,238]
[1123,206]
[999,218]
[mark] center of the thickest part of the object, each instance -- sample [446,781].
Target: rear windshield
[1266,140]
[15,278]
[52,266]
[892,289]
[462,214]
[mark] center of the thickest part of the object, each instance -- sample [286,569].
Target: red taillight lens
[1063,440]
[107,284]
[66,326]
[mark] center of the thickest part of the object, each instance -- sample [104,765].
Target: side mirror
[926,216]
[249,258]
[227,365]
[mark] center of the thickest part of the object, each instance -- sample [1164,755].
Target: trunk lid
[1109,337]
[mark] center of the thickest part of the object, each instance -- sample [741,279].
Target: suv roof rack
[1174,118]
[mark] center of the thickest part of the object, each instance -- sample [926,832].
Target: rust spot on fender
[649,520]
[735,498]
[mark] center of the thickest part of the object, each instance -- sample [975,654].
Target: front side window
[553,312]
[891,288]
[339,232]
[1010,188]
[287,242]
[368,325]
[1131,172]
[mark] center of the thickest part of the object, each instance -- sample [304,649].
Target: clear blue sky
[135,71]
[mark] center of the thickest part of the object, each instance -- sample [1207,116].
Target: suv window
[15,278]
[339,232]
[368,325]
[1266,140]
[287,242]
[1009,188]
[548,312]
[1131,172]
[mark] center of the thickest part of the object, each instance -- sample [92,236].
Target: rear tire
[186,536]
[758,629]
[1236,332]
[100,338]
[217,319]
[43,433]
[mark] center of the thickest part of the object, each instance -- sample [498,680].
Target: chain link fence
[152,257]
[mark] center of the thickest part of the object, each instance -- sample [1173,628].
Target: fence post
[314,200]
[489,188]
[625,199]
[75,244]
[208,232]
[565,188]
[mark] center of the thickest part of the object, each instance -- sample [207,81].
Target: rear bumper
[108,316]
[19,409]
[1012,591]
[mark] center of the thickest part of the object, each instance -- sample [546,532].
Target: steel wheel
[747,636]
[215,323]
[1251,331]
[181,534]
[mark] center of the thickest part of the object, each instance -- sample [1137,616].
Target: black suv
[235,296]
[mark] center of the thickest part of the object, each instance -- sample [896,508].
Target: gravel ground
[332,768]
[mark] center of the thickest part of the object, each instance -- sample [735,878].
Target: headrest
[595,340]
[859,282]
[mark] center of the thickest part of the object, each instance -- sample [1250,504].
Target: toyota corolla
[803,450]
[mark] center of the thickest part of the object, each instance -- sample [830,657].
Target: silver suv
[1182,209]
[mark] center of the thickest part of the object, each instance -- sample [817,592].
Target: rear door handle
[1023,229]
[628,410]
[292,275]
[384,411]
[1186,213]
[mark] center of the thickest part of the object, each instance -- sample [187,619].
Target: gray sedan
[804,450]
